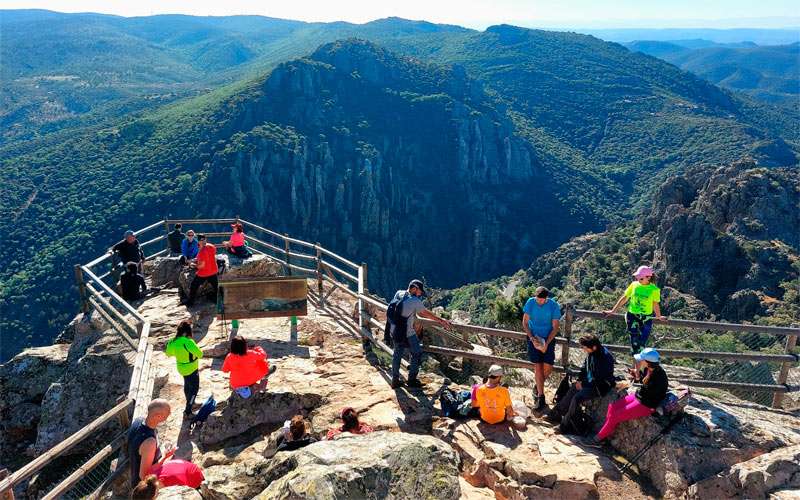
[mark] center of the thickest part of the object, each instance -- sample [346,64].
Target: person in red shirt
[350,424]
[206,269]
[249,368]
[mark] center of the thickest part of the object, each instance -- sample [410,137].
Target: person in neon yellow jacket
[186,353]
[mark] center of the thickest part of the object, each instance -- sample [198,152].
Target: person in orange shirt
[206,269]
[492,399]
[249,368]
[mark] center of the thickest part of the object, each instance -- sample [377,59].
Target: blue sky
[471,13]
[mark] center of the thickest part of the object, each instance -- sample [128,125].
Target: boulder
[773,472]
[179,493]
[97,373]
[24,380]
[237,415]
[377,465]
[163,271]
[255,266]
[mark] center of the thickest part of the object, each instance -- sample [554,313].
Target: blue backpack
[205,410]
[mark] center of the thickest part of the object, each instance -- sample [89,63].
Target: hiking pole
[651,443]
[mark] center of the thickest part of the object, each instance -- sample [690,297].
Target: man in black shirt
[128,250]
[175,238]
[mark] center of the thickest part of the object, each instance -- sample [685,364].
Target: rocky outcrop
[773,472]
[179,493]
[257,266]
[378,465]
[24,380]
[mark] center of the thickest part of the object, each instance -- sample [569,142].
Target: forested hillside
[483,151]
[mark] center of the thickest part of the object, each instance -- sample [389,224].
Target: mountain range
[424,150]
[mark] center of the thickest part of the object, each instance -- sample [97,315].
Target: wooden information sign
[246,297]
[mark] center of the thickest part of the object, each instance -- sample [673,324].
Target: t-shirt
[492,402]
[237,239]
[411,306]
[178,473]
[541,317]
[641,298]
[362,429]
[207,257]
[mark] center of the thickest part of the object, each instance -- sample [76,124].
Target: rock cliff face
[390,160]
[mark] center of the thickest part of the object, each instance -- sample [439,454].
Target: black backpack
[394,316]
[580,424]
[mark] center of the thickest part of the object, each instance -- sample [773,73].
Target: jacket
[189,249]
[132,285]
[128,252]
[175,238]
[598,371]
[186,354]
[248,369]
[654,391]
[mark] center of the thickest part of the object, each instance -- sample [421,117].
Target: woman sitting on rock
[249,368]
[644,401]
[296,435]
[350,423]
[236,244]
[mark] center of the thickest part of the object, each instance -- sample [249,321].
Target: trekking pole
[652,442]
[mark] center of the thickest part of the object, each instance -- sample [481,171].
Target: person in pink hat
[643,298]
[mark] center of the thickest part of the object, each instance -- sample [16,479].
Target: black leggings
[199,280]
[191,386]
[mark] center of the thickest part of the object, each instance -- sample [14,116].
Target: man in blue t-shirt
[540,321]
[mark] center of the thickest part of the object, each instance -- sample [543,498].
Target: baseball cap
[542,292]
[648,354]
[643,271]
[495,370]
[244,392]
[128,233]
[418,284]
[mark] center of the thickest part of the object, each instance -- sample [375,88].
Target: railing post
[319,275]
[569,314]
[81,289]
[286,248]
[363,313]
[783,375]
[166,234]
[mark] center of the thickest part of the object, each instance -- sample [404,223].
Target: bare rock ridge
[720,447]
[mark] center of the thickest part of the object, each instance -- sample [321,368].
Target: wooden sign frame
[248,297]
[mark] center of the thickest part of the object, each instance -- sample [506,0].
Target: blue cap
[648,354]
[128,233]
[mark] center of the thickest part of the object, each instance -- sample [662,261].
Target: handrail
[264,243]
[347,275]
[339,258]
[701,325]
[42,460]
[84,469]
[113,294]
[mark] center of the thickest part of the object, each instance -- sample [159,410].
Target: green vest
[186,353]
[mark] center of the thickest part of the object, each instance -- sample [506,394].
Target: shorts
[536,356]
[639,327]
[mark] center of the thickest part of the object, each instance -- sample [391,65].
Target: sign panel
[245,297]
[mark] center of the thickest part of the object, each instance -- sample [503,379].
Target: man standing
[128,250]
[143,450]
[175,238]
[206,269]
[409,305]
[540,322]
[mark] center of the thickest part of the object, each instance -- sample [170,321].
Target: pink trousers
[627,408]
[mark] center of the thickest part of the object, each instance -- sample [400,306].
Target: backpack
[580,424]
[674,403]
[563,388]
[209,405]
[394,317]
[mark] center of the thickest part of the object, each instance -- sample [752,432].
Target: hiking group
[249,368]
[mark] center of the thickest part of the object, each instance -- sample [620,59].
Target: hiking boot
[593,442]
[540,404]
[397,383]
[415,383]
[553,417]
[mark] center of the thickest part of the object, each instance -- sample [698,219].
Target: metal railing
[343,275]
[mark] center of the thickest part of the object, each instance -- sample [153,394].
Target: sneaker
[414,382]
[593,442]
[397,383]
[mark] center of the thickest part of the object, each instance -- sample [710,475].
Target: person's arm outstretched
[621,302]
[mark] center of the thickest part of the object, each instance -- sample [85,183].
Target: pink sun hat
[643,271]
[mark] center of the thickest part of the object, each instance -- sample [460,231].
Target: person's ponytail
[147,489]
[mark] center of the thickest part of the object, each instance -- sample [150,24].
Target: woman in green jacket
[185,351]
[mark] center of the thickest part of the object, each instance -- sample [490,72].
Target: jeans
[191,386]
[567,405]
[199,280]
[415,348]
[627,408]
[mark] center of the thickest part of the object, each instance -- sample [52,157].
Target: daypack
[209,405]
[394,316]
[674,403]
[455,404]
[580,424]
[563,388]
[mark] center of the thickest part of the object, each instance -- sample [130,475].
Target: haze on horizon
[478,14]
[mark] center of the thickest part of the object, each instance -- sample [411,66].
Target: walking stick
[652,442]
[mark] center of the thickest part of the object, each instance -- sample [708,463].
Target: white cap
[495,370]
